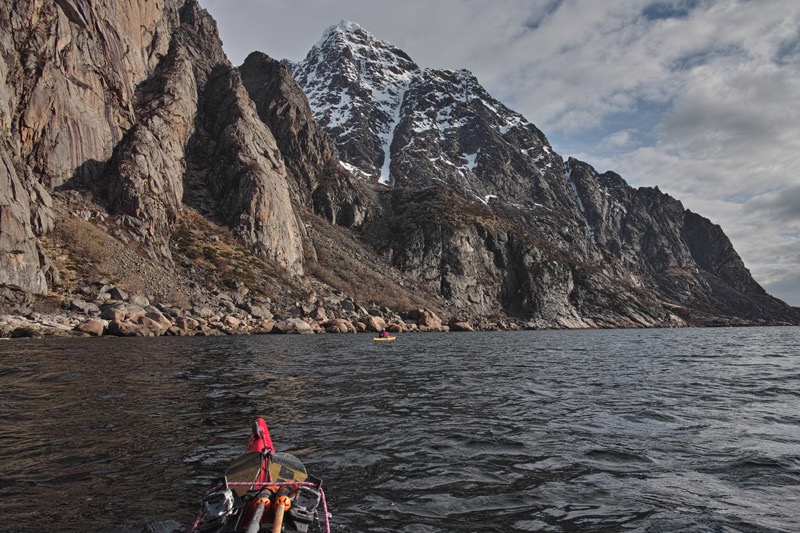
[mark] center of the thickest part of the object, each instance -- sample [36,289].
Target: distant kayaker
[384,332]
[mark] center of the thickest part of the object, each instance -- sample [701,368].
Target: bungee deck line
[263,484]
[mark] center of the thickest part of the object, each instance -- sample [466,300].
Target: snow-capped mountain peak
[425,126]
[355,84]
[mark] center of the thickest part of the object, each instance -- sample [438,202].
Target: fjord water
[615,430]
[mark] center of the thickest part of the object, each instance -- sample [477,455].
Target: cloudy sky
[699,97]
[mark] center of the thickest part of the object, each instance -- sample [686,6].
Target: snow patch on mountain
[387,135]
[470,159]
[354,170]
[571,181]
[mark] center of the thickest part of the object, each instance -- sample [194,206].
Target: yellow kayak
[384,338]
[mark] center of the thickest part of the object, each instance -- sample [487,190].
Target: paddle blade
[286,467]
[245,469]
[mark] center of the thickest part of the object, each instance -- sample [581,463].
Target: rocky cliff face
[199,139]
[138,103]
[67,78]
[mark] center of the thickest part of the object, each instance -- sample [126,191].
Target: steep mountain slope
[66,90]
[142,107]
[577,247]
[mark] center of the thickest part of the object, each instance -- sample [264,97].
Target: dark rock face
[319,182]
[481,263]
[236,167]
[713,252]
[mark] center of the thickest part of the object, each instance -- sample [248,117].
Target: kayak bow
[263,490]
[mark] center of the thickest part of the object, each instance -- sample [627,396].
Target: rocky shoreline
[101,309]
[112,312]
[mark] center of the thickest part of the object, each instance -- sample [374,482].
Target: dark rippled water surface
[646,430]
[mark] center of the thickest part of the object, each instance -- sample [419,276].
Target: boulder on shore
[426,319]
[338,325]
[92,327]
[292,326]
[125,328]
[374,323]
[458,325]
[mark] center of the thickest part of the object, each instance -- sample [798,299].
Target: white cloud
[617,140]
[701,98]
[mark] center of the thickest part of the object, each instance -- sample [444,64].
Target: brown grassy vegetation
[198,244]
[345,265]
[83,252]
